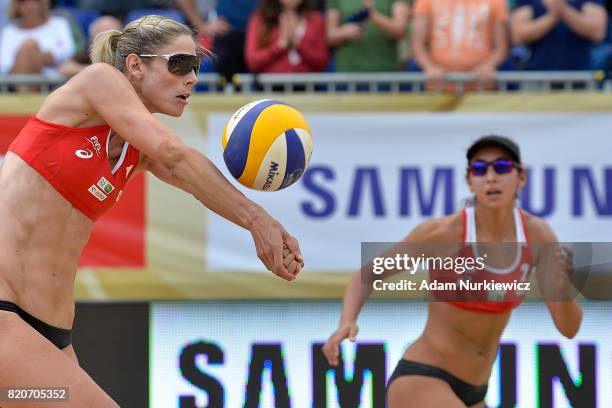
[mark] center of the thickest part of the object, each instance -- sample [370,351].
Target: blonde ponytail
[104,47]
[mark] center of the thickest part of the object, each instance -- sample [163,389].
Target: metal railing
[45,82]
[541,81]
[417,82]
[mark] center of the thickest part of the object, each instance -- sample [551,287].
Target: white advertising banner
[373,177]
[265,354]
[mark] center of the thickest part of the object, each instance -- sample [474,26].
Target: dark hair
[270,10]
[503,142]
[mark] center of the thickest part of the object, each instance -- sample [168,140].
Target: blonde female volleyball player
[69,165]
[450,363]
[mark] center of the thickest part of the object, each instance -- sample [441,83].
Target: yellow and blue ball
[267,145]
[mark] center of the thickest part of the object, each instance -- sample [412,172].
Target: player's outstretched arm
[359,286]
[181,165]
[263,227]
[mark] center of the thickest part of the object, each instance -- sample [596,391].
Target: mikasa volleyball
[267,145]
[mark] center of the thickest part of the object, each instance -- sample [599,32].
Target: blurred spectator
[559,34]
[34,42]
[120,8]
[4,5]
[115,8]
[286,36]
[460,36]
[366,33]
[601,54]
[74,65]
[227,25]
[202,15]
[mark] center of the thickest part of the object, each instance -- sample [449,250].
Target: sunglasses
[501,166]
[179,64]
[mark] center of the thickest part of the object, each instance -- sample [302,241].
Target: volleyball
[267,145]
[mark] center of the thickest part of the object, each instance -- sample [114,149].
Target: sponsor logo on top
[96,192]
[105,185]
[95,143]
[83,154]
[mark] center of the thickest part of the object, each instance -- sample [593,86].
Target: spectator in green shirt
[366,33]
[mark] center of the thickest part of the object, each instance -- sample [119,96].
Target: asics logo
[84,154]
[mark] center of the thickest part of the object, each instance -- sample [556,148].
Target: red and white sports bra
[485,299]
[75,162]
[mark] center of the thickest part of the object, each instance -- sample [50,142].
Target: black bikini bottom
[468,393]
[61,338]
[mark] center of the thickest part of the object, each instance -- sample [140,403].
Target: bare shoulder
[110,95]
[72,104]
[538,230]
[99,69]
[443,229]
[98,75]
[89,80]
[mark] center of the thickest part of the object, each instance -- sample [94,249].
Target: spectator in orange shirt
[460,36]
[286,36]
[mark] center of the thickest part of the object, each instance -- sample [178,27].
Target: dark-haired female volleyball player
[450,363]
[69,165]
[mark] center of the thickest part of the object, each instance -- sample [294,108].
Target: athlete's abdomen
[41,238]
[462,342]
